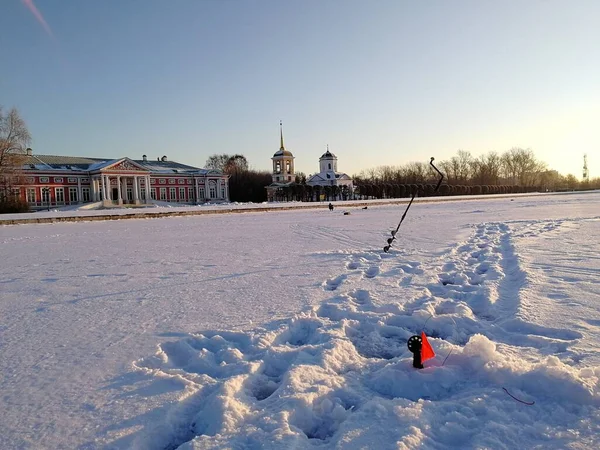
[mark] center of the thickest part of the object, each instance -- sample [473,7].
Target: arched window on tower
[277,167]
[329,166]
[287,167]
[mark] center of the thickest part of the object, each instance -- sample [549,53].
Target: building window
[85,192]
[152,181]
[202,193]
[30,180]
[73,195]
[289,178]
[46,195]
[181,181]
[72,180]
[171,180]
[181,194]
[44,180]
[212,189]
[287,167]
[59,194]
[190,194]
[172,194]
[58,180]
[163,194]
[130,194]
[153,194]
[30,195]
[85,180]
[223,190]
[277,167]
[162,181]
[143,193]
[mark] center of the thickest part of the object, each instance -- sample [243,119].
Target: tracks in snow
[316,370]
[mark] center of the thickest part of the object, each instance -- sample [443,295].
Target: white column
[104,189]
[136,196]
[148,196]
[197,182]
[79,196]
[107,194]
[119,198]
[124,190]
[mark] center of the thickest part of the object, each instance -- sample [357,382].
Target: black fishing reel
[415,344]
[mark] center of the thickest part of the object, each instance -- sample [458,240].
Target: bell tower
[328,162]
[283,162]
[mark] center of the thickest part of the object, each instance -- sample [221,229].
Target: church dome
[328,154]
[282,152]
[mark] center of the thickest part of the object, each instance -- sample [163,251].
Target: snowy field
[288,329]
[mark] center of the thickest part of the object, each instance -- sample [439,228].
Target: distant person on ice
[330,207]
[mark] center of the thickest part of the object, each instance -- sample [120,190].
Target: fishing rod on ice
[393,238]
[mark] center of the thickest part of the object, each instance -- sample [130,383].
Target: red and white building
[54,181]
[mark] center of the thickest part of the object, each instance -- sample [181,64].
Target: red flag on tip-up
[426,350]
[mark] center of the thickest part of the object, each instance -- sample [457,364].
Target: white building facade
[340,183]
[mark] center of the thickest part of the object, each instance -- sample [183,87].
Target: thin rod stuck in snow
[393,238]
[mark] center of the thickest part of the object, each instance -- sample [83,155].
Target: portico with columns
[121,182]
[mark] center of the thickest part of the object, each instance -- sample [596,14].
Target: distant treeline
[516,170]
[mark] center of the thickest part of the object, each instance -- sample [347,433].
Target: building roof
[328,154]
[77,163]
[166,166]
[283,152]
[328,177]
[54,162]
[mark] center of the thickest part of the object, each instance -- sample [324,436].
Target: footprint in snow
[372,272]
[333,283]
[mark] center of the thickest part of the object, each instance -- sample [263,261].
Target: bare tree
[235,164]
[521,166]
[14,139]
[486,169]
[217,162]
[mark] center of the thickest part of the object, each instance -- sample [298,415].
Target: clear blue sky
[382,82]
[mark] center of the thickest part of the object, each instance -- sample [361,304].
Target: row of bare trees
[308,193]
[515,167]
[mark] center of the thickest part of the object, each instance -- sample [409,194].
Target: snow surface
[288,329]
